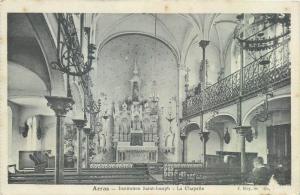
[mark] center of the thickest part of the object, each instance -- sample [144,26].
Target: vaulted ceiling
[179,31]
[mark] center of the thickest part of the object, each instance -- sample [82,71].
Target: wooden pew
[88,176]
[207,176]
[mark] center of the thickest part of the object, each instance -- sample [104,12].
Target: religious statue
[135,92]
[136,123]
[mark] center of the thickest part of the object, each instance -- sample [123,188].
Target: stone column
[60,105]
[80,123]
[87,132]
[183,138]
[203,44]
[243,131]
[204,138]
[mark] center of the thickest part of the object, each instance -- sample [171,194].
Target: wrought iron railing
[270,70]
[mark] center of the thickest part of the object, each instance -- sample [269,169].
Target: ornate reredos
[135,109]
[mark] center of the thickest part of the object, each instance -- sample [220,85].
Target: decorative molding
[60,105]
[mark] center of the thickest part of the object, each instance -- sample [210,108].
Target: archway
[222,133]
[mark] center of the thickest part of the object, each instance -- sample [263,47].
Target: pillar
[80,123]
[243,131]
[60,105]
[203,44]
[183,138]
[204,138]
[87,132]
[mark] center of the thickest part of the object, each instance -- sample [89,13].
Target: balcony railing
[256,76]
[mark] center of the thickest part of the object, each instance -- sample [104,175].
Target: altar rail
[111,165]
[255,76]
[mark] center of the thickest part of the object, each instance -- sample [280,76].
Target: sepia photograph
[149,100]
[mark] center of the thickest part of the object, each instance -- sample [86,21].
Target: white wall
[234,144]
[259,144]
[213,143]
[19,143]
[193,147]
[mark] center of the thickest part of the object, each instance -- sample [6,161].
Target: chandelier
[260,33]
[70,58]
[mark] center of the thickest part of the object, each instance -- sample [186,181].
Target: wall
[48,141]
[234,144]
[15,140]
[213,143]
[19,143]
[193,61]
[259,144]
[193,147]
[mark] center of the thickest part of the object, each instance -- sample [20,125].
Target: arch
[46,41]
[227,116]
[124,33]
[247,118]
[215,124]
[190,127]
[167,31]
[22,85]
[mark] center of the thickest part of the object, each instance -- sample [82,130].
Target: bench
[207,176]
[87,176]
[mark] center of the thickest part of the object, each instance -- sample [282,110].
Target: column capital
[182,135]
[204,136]
[80,123]
[60,105]
[203,43]
[243,130]
[87,130]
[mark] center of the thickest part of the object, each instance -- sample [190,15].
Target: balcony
[254,78]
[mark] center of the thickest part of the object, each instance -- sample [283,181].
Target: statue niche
[135,92]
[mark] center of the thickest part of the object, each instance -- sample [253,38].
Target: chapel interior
[147,98]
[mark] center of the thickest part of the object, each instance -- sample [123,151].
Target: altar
[136,154]
[135,126]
